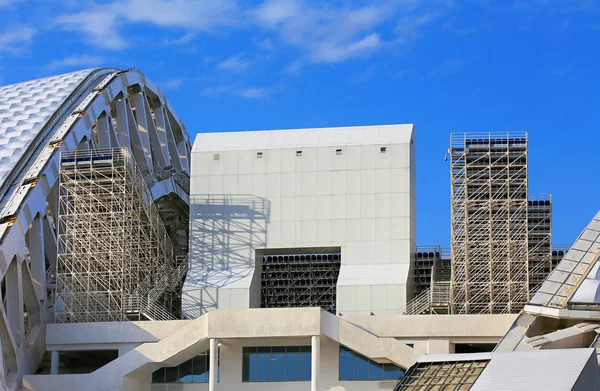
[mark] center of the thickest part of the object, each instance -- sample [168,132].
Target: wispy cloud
[182,40]
[101,23]
[6,3]
[98,28]
[172,84]
[15,38]
[324,32]
[328,35]
[252,93]
[447,68]
[244,92]
[80,61]
[234,63]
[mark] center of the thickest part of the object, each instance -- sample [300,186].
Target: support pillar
[54,362]
[315,359]
[214,364]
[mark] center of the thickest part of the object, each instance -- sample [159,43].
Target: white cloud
[252,93]
[234,63]
[327,34]
[245,92]
[15,38]
[81,61]
[101,23]
[172,84]
[324,32]
[99,28]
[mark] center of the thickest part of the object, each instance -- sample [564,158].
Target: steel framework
[489,222]
[300,280]
[539,215]
[113,248]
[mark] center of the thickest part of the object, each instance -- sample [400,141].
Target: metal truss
[490,254]
[108,109]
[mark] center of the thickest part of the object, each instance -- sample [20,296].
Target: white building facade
[342,194]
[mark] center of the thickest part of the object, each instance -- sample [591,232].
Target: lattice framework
[489,222]
[111,238]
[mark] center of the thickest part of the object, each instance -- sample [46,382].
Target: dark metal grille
[300,280]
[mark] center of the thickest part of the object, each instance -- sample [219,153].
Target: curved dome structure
[40,120]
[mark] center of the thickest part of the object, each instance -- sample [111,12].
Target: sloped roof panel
[24,110]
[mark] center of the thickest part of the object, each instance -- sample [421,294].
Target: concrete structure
[348,191]
[301,218]
[146,346]
[39,120]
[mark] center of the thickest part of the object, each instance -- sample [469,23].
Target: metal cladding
[40,120]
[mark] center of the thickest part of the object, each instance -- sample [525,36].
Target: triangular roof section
[575,283]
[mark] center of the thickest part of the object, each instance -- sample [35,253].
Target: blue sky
[444,65]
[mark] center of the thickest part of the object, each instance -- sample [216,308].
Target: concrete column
[54,362]
[214,366]
[315,359]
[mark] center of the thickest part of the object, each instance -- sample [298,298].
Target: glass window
[276,364]
[353,366]
[264,364]
[305,367]
[158,376]
[292,363]
[194,370]
[346,364]
[171,374]
[200,368]
[185,372]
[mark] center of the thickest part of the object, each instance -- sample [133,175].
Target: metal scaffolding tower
[490,254]
[539,215]
[115,259]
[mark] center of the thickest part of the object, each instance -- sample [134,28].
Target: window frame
[302,358]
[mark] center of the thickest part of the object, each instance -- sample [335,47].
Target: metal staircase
[436,299]
[441,276]
[146,305]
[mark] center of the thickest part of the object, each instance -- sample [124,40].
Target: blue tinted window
[194,370]
[346,364]
[305,367]
[200,369]
[275,364]
[375,371]
[278,364]
[361,367]
[185,372]
[353,366]
[391,372]
[264,364]
[292,363]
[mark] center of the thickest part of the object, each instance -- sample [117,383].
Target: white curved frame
[104,118]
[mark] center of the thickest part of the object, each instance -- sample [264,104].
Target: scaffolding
[300,280]
[115,259]
[539,215]
[489,223]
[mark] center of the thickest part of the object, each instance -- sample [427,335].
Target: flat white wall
[362,201]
